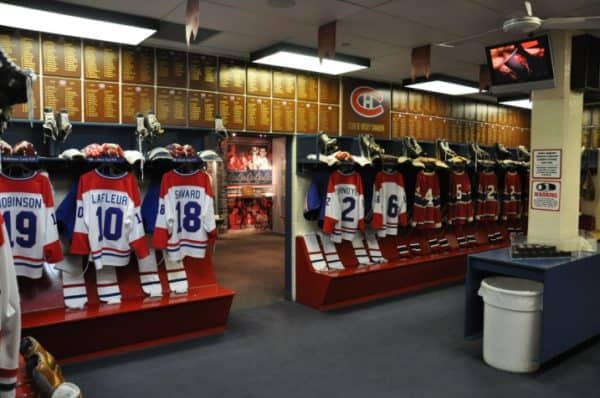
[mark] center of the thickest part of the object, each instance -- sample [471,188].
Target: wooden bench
[137,322]
[332,289]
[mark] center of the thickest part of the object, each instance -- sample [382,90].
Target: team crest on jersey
[367,102]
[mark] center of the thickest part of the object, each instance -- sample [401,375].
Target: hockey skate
[64,125]
[445,151]
[152,124]
[327,145]
[523,153]
[501,152]
[50,126]
[413,148]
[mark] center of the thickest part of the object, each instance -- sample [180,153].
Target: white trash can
[512,323]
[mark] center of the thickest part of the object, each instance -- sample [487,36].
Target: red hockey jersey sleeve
[28,209]
[389,203]
[427,212]
[344,207]
[10,318]
[108,221]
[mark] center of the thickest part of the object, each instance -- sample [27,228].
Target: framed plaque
[232,110]
[171,106]
[258,81]
[284,116]
[22,47]
[329,90]
[232,76]
[137,65]
[307,117]
[61,56]
[63,93]
[203,72]
[171,68]
[136,99]
[284,85]
[308,87]
[101,102]
[258,114]
[329,119]
[202,109]
[101,61]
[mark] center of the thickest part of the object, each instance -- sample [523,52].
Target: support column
[556,121]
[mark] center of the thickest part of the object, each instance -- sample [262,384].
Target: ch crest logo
[366,102]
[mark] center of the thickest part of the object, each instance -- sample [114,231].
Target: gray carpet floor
[404,347]
[252,264]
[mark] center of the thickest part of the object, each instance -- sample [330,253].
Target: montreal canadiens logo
[366,102]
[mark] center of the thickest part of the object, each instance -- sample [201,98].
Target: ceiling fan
[529,23]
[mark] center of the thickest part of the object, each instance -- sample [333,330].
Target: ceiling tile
[388,29]
[459,17]
[312,12]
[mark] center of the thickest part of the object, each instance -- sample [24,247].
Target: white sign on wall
[547,163]
[545,195]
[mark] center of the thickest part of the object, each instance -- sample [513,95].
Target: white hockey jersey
[10,318]
[186,218]
[27,205]
[345,206]
[389,203]
[108,221]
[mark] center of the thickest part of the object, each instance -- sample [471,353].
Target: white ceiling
[382,30]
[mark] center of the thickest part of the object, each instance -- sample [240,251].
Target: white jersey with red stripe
[108,222]
[10,318]
[389,203]
[186,218]
[27,205]
[345,206]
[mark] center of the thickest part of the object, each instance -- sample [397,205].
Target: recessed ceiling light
[443,84]
[84,22]
[281,3]
[524,103]
[305,58]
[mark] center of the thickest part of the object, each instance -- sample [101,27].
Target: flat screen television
[521,65]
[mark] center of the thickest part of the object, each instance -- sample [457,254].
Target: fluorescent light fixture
[91,24]
[442,84]
[304,58]
[524,103]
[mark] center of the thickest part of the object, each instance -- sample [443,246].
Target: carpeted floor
[252,264]
[405,347]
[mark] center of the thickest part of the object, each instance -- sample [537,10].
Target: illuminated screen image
[522,61]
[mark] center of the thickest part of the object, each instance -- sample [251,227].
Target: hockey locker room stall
[388,217]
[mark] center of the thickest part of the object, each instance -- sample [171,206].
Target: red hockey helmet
[24,148]
[112,150]
[93,150]
[5,148]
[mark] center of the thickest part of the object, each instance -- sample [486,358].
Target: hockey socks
[8,383]
[314,252]
[374,248]
[108,286]
[331,256]
[359,250]
[73,282]
[149,278]
[176,275]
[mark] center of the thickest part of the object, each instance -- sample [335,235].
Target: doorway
[250,252]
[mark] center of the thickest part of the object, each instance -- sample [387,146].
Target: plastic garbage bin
[512,322]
